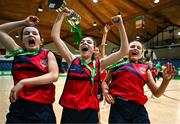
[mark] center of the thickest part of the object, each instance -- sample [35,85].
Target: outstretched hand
[169,72]
[32,20]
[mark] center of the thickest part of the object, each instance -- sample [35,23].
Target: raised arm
[56,37]
[168,73]
[105,88]
[9,42]
[114,57]
[103,43]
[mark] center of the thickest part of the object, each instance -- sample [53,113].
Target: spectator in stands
[159,69]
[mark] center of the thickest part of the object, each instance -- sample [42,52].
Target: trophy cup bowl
[56,4]
[60,5]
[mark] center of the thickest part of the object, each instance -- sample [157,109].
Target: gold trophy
[60,5]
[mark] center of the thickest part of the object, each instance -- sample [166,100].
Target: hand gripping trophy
[60,5]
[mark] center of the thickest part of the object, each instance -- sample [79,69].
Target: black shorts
[23,111]
[127,111]
[79,116]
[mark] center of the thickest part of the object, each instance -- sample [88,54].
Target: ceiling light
[137,36]
[17,36]
[94,24]
[156,1]
[40,9]
[178,33]
[95,1]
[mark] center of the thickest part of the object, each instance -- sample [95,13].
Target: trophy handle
[74,18]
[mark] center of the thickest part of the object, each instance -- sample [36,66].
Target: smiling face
[31,38]
[86,47]
[135,51]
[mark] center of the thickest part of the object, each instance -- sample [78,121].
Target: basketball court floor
[163,110]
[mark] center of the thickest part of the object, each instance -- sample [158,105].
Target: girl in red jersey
[34,70]
[79,98]
[125,92]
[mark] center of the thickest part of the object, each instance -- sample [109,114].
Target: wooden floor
[164,110]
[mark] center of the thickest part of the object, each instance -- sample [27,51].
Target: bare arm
[50,77]
[168,73]
[105,89]
[106,82]
[103,43]
[56,37]
[114,57]
[6,40]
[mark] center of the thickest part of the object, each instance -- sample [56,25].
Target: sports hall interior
[155,23]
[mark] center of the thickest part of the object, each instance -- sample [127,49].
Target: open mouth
[85,49]
[31,42]
[134,53]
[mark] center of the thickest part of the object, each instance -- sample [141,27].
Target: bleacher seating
[5,67]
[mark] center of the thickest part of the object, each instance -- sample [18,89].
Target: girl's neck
[88,60]
[133,61]
[38,49]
